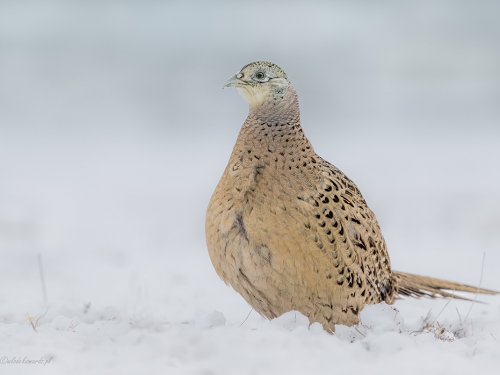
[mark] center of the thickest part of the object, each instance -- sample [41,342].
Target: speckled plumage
[288,230]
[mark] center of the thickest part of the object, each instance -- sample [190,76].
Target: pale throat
[254,98]
[267,104]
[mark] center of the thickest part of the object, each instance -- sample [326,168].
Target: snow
[115,306]
[106,171]
[382,344]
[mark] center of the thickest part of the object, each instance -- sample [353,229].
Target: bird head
[260,82]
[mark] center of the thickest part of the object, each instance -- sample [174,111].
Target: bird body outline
[290,231]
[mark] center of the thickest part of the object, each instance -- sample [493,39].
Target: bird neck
[274,125]
[278,106]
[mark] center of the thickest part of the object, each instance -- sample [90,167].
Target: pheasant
[288,230]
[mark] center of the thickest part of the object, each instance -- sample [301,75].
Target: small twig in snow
[30,319]
[459,317]
[34,325]
[478,287]
[359,332]
[42,278]
[443,308]
[246,317]
[494,337]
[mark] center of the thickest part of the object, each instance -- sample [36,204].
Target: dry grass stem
[478,287]
[459,317]
[443,308]
[42,279]
[246,317]
[35,324]
[494,338]
[71,325]
[359,332]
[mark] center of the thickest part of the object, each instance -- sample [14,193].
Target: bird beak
[233,82]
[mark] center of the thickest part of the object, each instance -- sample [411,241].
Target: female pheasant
[288,230]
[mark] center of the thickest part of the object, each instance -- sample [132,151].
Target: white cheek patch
[253,98]
[243,92]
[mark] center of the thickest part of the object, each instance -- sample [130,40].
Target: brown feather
[410,285]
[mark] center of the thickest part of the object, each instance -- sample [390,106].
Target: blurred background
[114,131]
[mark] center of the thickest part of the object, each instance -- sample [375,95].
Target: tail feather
[423,286]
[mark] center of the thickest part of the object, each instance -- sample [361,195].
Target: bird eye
[259,75]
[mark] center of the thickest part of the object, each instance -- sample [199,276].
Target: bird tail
[424,286]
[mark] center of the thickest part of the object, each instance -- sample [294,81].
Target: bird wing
[350,231]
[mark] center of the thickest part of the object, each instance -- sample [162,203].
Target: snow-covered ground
[114,133]
[131,289]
